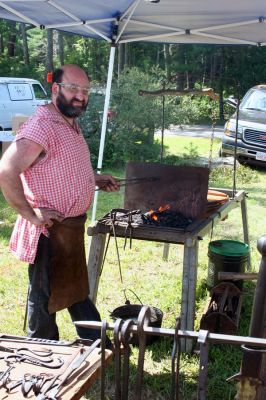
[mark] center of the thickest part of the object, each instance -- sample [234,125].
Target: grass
[186,145]
[157,282]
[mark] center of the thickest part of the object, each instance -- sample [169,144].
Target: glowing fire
[164,208]
[152,213]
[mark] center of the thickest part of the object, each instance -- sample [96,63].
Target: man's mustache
[81,102]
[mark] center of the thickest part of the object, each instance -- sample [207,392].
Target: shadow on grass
[224,361]
[256,168]
[155,386]
[260,199]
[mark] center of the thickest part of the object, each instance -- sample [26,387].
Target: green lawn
[157,282]
[182,145]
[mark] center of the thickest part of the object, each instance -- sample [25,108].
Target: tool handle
[79,360]
[76,363]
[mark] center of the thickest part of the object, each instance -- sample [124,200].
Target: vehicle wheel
[242,162]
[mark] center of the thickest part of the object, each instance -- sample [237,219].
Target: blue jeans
[41,324]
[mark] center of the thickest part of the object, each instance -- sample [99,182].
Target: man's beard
[67,108]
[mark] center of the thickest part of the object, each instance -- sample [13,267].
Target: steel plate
[184,188]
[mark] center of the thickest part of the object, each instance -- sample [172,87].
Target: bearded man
[47,177]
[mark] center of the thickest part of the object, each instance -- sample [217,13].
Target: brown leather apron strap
[69,278]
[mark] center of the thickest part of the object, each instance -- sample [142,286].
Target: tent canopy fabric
[166,21]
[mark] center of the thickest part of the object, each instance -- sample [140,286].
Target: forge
[185,189]
[161,196]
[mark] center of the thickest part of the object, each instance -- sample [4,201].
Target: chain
[213,119]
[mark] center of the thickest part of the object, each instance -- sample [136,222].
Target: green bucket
[226,256]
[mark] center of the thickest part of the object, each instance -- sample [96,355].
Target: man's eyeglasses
[71,87]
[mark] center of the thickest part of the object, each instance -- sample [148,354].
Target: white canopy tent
[123,21]
[165,21]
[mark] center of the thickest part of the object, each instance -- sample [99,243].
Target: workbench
[74,387]
[189,238]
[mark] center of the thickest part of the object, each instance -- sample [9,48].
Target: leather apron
[69,277]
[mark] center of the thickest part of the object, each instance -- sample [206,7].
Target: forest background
[230,70]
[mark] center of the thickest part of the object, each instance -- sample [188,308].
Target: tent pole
[104,123]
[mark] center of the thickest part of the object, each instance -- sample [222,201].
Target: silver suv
[251,137]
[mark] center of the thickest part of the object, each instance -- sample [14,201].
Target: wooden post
[166,248]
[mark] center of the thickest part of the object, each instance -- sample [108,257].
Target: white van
[19,96]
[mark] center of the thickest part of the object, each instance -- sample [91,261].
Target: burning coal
[165,216]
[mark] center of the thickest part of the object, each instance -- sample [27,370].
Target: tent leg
[104,123]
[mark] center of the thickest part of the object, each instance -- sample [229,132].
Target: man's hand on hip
[46,217]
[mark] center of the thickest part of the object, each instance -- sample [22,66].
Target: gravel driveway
[193,131]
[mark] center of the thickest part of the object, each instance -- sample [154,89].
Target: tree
[121,59]
[12,39]
[26,57]
[60,48]
[167,59]
[49,65]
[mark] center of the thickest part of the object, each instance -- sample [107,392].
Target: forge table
[189,238]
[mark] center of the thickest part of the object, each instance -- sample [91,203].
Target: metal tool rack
[188,238]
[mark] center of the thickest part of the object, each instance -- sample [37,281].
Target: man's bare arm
[20,156]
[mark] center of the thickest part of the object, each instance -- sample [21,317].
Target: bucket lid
[228,247]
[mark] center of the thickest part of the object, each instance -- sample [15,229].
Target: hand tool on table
[131,181]
[13,384]
[4,376]
[37,384]
[38,353]
[27,384]
[48,384]
[23,339]
[37,357]
[40,382]
[53,390]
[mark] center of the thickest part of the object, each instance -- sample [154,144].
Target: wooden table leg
[95,259]
[189,281]
[166,247]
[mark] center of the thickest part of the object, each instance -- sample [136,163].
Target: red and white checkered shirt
[63,180]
